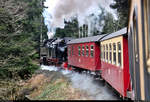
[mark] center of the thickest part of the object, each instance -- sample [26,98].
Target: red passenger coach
[84,53]
[115,62]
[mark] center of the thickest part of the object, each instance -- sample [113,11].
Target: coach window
[72,50]
[148,26]
[79,50]
[119,54]
[135,40]
[92,51]
[87,51]
[106,52]
[102,49]
[147,31]
[69,51]
[101,55]
[110,55]
[83,50]
[114,53]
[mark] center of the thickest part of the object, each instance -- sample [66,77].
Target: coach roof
[115,34]
[87,39]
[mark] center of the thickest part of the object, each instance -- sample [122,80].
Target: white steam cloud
[51,68]
[60,10]
[96,91]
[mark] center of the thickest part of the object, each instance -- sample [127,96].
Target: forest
[20,23]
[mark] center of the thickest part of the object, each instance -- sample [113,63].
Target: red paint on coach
[85,62]
[117,77]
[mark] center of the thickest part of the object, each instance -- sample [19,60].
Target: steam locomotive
[54,51]
[121,58]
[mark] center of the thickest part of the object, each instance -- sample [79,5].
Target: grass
[8,89]
[52,91]
[49,86]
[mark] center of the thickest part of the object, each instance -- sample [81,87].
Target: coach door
[146,46]
[135,59]
[137,38]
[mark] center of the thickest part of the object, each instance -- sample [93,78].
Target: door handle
[136,57]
